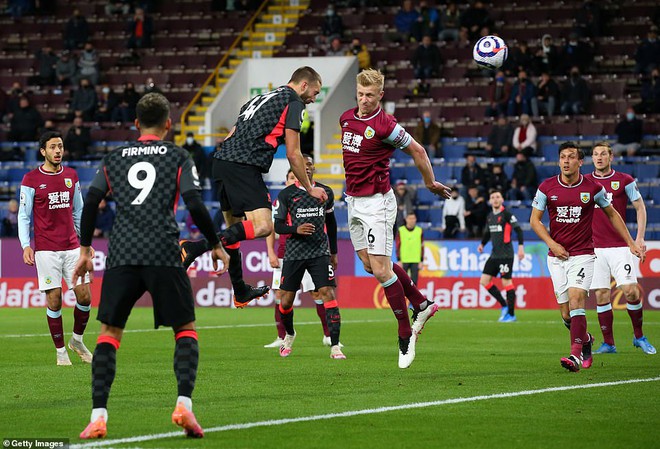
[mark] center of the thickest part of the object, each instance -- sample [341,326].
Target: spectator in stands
[524,179]
[331,28]
[576,53]
[88,64]
[83,103]
[449,23]
[476,211]
[547,94]
[651,94]
[46,60]
[499,93]
[19,8]
[428,134]
[453,215]
[14,98]
[198,156]
[520,59]
[406,197]
[523,97]
[76,31]
[590,20]
[66,69]
[472,174]
[150,86]
[4,104]
[575,94]
[499,139]
[629,133]
[25,122]
[336,48]
[475,19]
[647,56]
[10,220]
[105,218]
[78,140]
[140,29]
[427,22]
[108,100]
[405,22]
[359,50]
[547,56]
[410,247]
[125,111]
[118,8]
[524,136]
[49,125]
[426,60]
[497,179]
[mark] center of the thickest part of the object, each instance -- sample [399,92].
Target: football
[490,52]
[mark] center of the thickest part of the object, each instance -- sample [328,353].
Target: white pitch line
[306,323]
[224,326]
[369,411]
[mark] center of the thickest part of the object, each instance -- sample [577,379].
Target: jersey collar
[604,177]
[148,137]
[571,186]
[355,114]
[50,173]
[301,187]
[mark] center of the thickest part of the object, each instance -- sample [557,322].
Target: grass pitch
[502,372]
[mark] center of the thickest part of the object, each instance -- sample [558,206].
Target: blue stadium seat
[443,173]
[522,214]
[646,171]
[16,174]
[653,214]
[341,214]
[412,174]
[546,171]
[424,196]
[397,172]
[432,234]
[624,168]
[549,151]
[86,174]
[435,215]
[454,151]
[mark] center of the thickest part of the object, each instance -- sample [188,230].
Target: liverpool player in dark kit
[265,122]
[499,224]
[146,178]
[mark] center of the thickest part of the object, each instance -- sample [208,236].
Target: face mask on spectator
[427,120]
[106,90]
[330,12]
[499,79]
[189,140]
[630,115]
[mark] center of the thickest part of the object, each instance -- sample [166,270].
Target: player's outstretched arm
[621,228]
[297,162]
[423,164]
[640,209]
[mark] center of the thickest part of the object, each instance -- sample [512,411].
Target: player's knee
[327,294]
[602,296]
[83,295]
[263,228]
[630,292]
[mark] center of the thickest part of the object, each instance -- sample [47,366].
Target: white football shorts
[371,222]
[575,272]
[307,282]
[52,266]
[613,262]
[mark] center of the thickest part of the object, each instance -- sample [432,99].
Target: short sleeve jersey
[146,179]
[571,210]
[52,195]
[500,225]
[297,207]
[367,146]
[620,188]
[260,128]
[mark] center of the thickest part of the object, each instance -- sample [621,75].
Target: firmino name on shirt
[139,151]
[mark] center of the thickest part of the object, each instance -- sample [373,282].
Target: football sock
[235,268]
[287,319]
[186,401]
[243,230]
[320,311]
[578,331]
[186,358]
[635,312]
[104,365]
[98,413]
[495,292]
[278,322]
[395,296]
[511,298]
[567,323]
[605,319]
[409,288]
[55,326]
[80,318]
[333,319]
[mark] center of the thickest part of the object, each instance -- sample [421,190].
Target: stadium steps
[331,170]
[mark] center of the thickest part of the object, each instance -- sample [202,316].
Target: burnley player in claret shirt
[612,256]
[570,199]
[369,137]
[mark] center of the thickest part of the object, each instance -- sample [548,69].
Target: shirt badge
[585,197]
[615,185]
[369,132]
[68,183]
